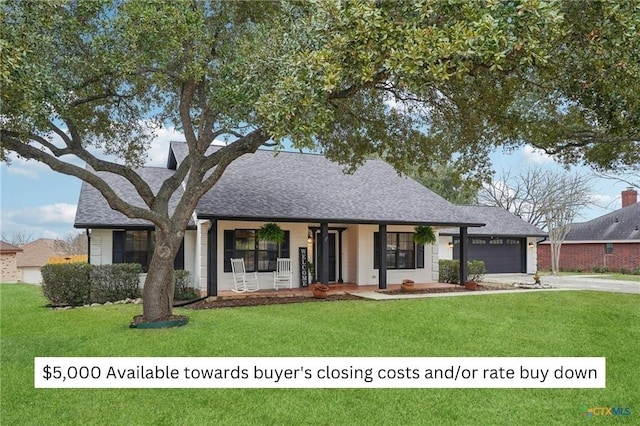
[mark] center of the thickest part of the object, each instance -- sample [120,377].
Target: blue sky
[41,203]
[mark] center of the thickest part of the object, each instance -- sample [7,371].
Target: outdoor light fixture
[450,244]
[531,245]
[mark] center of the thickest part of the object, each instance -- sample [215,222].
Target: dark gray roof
[620,225]
[308,187]
[94,212]
[499,222]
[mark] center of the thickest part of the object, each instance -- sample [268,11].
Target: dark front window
[608,248]
[401,251]
[136,246]
[258,255]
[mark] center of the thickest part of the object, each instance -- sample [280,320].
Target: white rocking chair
[283,275]
[242,280]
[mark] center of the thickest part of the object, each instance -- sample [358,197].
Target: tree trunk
[159,284]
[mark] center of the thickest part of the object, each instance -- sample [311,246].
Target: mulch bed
[456,289]
[257,301]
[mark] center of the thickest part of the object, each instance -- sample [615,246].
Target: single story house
[35,255]
[506,243]
[340,223]
[8,263]
[610,241]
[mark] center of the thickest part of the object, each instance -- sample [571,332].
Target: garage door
[500,255]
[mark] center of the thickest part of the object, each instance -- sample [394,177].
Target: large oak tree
[409,81]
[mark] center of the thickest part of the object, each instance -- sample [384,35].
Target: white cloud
[535,156]
[25,168]
[58,213]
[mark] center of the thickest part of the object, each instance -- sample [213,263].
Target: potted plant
[408,286]
[536,278]
[271,232]
[310,271]
[471,285]
[424,235]
[320,291]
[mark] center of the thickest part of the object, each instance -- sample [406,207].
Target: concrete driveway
[581,282]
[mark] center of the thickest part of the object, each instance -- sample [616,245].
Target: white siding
[298,238]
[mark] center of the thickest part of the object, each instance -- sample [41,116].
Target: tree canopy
[409,81]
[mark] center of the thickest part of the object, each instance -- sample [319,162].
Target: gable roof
[620,225]
[499,222]
[38,252]
[293,186]
[94,211]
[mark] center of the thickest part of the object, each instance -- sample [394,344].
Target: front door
[332,256]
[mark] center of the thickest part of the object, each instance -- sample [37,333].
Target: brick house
[8,263]
[611,241]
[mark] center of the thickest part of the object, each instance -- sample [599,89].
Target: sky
[40,203]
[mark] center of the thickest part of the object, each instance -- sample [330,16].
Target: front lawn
[567,323]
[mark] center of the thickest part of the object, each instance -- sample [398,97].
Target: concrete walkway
[561,283]
[573,282]
[373,295]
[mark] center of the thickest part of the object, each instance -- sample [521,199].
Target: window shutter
[376,250]
[178,262]
[118,247]
[285,248]
[229,243]
[420,256]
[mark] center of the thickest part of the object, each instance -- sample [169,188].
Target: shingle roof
[620,225]
[499,222]
[94,211]
[9,248]
[308,187]
[38,252]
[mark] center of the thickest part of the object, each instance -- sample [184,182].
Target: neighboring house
[506,243]
[34,256]
[8,264]
[309,197]
[611,241]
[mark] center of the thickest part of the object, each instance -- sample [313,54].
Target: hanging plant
[424,235]
[271,232]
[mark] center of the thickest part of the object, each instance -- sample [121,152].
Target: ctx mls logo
[605,411]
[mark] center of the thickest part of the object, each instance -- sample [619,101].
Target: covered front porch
[351,256]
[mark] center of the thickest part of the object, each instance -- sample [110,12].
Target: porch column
[212,264]
[382,262]
[324,255]
[463,254]
[340,280]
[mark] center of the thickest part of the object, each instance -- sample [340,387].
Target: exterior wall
[532,256]
[367,275]
[8,268]
[446,252]
[102,251]
[298,236]
[587,256]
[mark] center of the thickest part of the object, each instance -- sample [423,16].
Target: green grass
[529,324]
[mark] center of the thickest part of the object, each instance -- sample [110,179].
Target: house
[505,244]
[610,241]
[338,222]
[8,264]
[34,256]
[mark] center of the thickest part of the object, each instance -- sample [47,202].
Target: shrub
[635,271]
[67,283]
[110,283]
[476,270]
[450,271]
[182,289]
